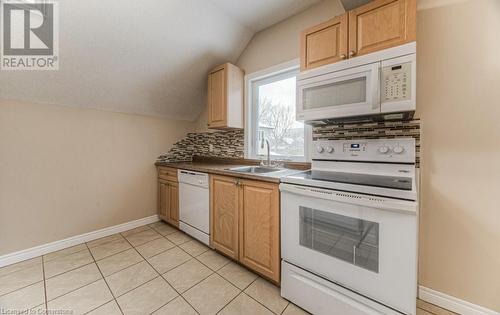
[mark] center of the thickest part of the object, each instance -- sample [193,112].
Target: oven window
[350,239]
[350,91]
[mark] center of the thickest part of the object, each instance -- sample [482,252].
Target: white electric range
[349,229]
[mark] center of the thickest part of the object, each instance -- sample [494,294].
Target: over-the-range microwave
[379,85]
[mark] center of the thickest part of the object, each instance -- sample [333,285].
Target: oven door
[363,243]
[345,93]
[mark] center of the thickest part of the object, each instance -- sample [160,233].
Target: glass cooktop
[393,182]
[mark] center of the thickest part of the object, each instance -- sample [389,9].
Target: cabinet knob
[352,53]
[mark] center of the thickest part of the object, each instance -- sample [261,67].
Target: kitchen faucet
[268,150]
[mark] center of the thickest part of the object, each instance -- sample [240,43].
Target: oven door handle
[394,205]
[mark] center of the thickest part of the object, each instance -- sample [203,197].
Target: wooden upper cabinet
[225,97]
[224,215]
[217,98]
[324,43]
[377,25]
[381,24]
[259,230]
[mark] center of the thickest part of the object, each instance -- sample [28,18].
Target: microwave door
[350,92]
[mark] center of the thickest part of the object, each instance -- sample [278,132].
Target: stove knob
[330,149]
[320,149]
[398,149]
[383,149]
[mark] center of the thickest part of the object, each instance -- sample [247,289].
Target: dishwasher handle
[187,172]
[193,178]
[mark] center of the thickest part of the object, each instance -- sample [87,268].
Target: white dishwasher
[194,205]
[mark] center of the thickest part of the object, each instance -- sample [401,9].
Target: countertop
[220,166]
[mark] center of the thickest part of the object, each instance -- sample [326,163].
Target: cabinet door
[224,215]
[217,109]
[174,203]
[324,43]
[163,199]
[381,24]
[259,228]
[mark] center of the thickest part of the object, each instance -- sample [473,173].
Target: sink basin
[255,169]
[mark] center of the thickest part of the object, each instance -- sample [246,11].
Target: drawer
[167,173]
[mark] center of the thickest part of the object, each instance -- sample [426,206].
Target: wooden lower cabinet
[168,201]
[224,215]
[259,228]
[245,216]
[173,214]
[163,198]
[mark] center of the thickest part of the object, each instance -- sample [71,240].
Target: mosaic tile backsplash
[371,130]
[225,144]
[230,144]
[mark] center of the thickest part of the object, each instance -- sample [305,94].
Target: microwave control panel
[396,82]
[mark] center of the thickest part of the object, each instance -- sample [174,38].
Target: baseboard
[452,303]
[72,241]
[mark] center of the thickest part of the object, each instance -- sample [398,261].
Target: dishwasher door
[194,206]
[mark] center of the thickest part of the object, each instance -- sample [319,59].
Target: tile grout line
[115,272]
[259,277]
[43,275]
[217,273]
[70,270]
[83,286]
[103,278]
[24,287]
[192,258]
[285,308]
[44,285]
[226,305]
[160,275]
[22,268]
[66,255]
[44,279]
[111,254]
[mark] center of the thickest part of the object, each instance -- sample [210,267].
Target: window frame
[270,74]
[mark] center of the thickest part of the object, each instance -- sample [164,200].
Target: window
[271,115]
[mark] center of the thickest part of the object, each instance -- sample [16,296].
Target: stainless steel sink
[256,169]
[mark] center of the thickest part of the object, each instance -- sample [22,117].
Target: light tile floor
[153,269]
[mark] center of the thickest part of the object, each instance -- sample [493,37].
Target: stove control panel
[400,150]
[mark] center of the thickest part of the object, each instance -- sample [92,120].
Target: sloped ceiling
[352,4]
[147,57]
[260,14]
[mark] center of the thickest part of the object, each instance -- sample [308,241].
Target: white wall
[65,171]
[459,104]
